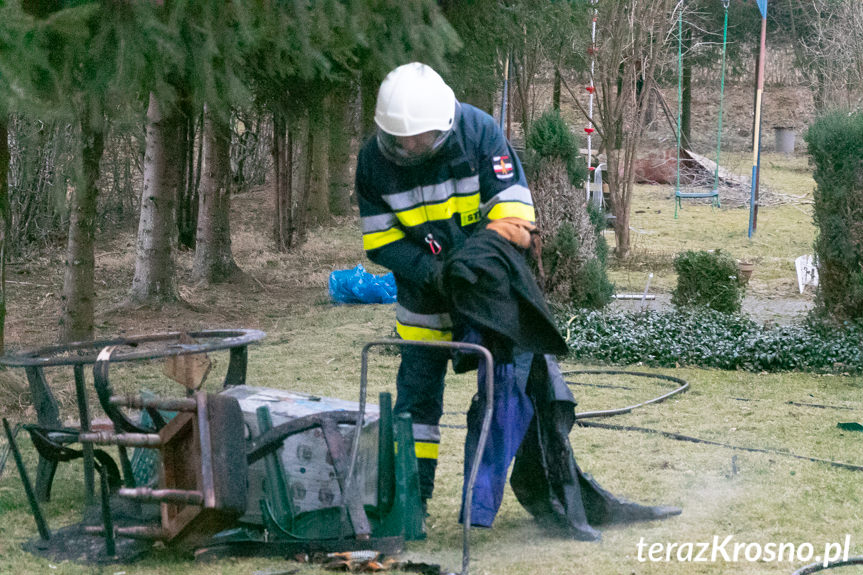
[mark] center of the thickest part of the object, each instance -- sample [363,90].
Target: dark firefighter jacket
[409,213]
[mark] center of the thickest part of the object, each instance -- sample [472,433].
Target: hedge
[710,339]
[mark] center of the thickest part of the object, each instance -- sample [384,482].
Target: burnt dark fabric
[494,293]
[492,289]
[547,480]
[545,477]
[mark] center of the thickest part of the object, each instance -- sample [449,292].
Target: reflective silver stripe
[439,321]
[378,223]
[467,185]
[433,194]
[511,194]
[426,432]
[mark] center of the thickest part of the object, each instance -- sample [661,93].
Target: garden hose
[820,566]
[683,386]
[808,569]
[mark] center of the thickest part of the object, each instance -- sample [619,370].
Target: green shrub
[592,289]
[707,279]
[597,220]
[835,143]
[549,138]
[574,252]
[586,285]
[710,339]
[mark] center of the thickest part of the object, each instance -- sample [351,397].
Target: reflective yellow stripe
[415,333]
[426,450]
[380,239]
[512,210]
[442,211]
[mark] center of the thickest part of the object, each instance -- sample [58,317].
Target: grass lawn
[757,498]
[784,230]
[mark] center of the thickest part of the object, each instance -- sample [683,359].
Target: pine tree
[96,54]
[23,70]
[299,54]
[214,261]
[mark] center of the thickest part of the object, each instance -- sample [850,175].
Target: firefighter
[436,171]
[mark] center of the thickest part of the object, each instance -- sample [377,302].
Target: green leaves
[709,339]
[707,279]
[549,137]
[835,144]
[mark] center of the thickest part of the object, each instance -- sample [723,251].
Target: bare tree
[317,203]
[631,45]
[5,222]
[833,45]
[283,165]
[340,137]
[154,258]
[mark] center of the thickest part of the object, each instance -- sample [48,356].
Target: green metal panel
[399,509]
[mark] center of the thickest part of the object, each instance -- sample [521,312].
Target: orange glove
[516,230]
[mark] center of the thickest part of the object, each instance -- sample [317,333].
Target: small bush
[710,339]
[550,138]
[586,285]
[574,251]
[592,290]
[835,144]
[707,279]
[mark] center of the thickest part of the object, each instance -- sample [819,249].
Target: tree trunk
[368,100]
[283,185]
[187,199]
[154,258]
[341,134]
[76,322]
[5,223]
[686,92]
[522,89]
[214,261]
[318,205]
[555,92]
[619,207]
[304,180]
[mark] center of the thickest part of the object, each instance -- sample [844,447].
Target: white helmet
[413,99]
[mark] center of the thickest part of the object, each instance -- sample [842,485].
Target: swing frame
[714,193]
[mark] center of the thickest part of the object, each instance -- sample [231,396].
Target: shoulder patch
[502,167]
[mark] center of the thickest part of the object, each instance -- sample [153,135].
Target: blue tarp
[359,286]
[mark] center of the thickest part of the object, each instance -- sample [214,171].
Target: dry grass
[315,346]
[784,231]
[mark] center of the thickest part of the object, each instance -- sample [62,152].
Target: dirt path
[766,310]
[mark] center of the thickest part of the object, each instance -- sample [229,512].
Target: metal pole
[107,520]
[41,525]
[504,98]
[591,90]
[756,132]
[484,431]
[87,448]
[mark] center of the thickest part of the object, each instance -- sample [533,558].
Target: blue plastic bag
[359,286]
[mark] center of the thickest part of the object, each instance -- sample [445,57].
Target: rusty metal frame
[79,354]
[486,421]
[87,351]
